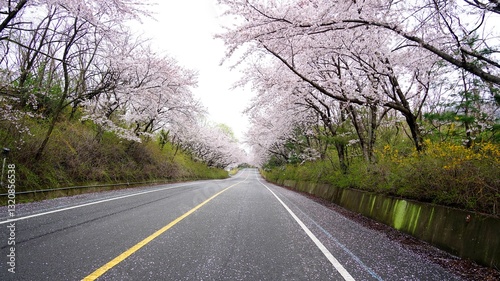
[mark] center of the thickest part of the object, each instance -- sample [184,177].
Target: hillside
[80,153]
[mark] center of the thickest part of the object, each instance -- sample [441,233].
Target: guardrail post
[5,153]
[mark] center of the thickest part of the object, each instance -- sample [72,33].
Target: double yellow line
[100,271]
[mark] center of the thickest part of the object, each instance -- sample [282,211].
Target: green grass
[77,155]
[445,174]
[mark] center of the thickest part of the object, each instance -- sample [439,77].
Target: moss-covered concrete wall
[465,234]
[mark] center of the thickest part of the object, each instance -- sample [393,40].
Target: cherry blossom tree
[61,54]
[150,92]
[438,27]
[210,143]
[368,53]
[12,12]
[58,44]
[280,119]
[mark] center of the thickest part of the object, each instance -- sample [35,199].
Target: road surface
[240,228]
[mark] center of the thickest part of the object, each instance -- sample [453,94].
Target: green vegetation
[81,153]
[456,161]
[444,173]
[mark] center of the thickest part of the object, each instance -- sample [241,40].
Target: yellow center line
[100,271]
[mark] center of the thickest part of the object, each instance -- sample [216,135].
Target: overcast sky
[185,30]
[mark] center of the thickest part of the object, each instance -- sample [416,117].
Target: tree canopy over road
[355,77]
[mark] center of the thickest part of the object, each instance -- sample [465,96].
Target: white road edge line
[316,241]
[91,203]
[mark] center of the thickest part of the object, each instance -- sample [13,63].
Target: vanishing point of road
[241,228]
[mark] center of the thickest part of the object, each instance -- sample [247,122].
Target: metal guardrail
[80,187]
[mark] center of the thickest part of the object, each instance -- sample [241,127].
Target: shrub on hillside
[445,173]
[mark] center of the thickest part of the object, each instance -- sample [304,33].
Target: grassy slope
[445,174]
[77,154]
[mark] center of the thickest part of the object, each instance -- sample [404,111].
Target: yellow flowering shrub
[445,173]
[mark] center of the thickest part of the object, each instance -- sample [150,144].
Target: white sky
[185,31]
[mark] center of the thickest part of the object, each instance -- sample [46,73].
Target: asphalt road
[241,228]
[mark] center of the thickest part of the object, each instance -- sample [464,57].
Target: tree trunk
[64,96]
[341,154]
[52,125]
[411,120]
